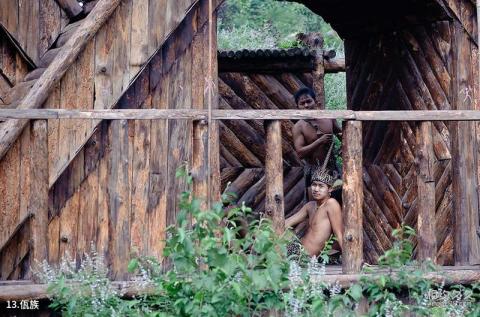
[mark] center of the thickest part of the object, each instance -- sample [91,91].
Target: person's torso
[311,132]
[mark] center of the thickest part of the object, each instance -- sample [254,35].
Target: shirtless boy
[323,213]
[313,138]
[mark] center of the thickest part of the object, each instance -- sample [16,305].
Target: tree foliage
[254,24]
[269,24]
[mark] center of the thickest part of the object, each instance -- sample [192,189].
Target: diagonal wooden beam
[11,129]
[18,47]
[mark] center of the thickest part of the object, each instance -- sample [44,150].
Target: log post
[352,197]
[38,196]
[425,192]
[464,155]
[200,159]
[274,202]
[319,75]
[315,42]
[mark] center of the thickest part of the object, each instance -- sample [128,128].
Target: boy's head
[305,99]
[322,183]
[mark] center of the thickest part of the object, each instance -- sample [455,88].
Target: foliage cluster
[254,24]
[212,271]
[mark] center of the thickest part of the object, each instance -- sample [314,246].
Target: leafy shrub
[213,271]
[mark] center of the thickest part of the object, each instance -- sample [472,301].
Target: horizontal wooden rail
[192,114]
[26,290]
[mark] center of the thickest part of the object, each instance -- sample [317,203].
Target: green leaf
[133,265]
[356,292]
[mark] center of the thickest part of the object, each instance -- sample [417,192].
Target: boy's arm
[297,218]
[335,216]
[299,142]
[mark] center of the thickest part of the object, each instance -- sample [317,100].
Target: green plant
[211,270]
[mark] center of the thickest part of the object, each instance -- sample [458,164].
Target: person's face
[306,102]
[319,190]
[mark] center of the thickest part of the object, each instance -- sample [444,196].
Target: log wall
[242,143]
[120,190]
[415,68]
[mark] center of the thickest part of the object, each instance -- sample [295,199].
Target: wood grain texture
[427,244]
[352,197]
[11,129]
[38,196]
[274,200]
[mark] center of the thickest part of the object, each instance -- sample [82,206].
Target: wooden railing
[352,160]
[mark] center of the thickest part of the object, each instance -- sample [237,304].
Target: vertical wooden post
[464,155]
[212,103]
[319,75]
[38,196]
[200,160]
[274,203]
[352,197]
[425,192]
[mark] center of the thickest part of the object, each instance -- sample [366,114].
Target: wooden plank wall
[105,70]
[242,143]
[121,191]
[114,190]
[412,69]
[13,172]
[35,24]
[13,68]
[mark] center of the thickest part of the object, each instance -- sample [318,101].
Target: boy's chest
[313,129]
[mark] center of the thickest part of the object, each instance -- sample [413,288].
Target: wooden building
[113,181]
[414,55]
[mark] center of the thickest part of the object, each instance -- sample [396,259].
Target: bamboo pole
[352,194]
[274,200]
[425,192]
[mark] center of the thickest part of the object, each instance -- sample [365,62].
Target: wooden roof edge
[11,129]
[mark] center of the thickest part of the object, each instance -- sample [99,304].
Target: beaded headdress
[321,175]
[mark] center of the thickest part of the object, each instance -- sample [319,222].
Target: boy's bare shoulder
[333,203]
[311,205]
[299,124]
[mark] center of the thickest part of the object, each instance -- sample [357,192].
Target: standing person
[313,139]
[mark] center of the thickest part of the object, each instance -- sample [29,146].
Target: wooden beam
[427,243]
[217,114]
[334,65]
[11,129]
[274,202]
[200,159]
[71,7]
[278,65]
[26,290]
[464,154]
[318,75]
[352,194]
[38,196]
